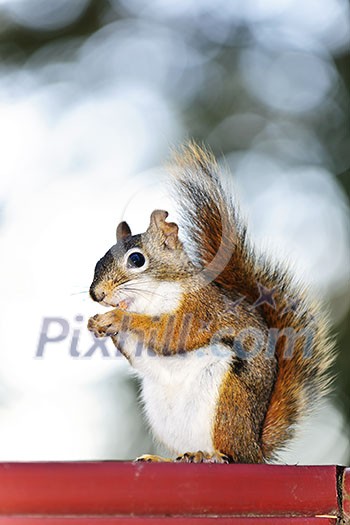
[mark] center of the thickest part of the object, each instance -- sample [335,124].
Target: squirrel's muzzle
[96,295]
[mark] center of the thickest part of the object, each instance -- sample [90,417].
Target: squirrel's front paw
[103,325]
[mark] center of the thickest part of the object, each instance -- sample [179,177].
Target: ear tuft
[158,218]
[123,231]
[168,230]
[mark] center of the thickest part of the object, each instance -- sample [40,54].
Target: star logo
[265,297]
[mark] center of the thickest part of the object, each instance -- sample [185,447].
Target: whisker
[142,281]
[141,293]
[129,290]
[138,290]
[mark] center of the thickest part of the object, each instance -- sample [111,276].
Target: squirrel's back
[297,327]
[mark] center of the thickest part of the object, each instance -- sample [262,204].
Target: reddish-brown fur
[261,399]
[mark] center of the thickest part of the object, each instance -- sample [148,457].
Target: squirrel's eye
[136,260]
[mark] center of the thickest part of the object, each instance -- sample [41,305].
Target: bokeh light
[93,95]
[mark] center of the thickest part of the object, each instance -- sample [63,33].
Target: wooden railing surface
[106,493]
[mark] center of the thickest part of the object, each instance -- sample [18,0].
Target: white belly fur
[180,393]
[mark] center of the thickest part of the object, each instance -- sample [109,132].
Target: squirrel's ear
[168,230]
[123,231]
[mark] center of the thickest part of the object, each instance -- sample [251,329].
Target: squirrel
[231,351]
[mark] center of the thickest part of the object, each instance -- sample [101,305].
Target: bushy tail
[216,241]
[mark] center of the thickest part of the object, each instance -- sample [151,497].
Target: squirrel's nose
[96,295]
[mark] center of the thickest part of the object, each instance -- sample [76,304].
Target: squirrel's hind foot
[150,458]
[204,457]
[188,457]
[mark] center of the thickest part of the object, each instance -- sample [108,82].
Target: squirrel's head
[142,272]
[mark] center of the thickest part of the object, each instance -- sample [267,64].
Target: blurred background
[93,95]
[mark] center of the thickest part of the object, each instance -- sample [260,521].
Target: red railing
[123,492]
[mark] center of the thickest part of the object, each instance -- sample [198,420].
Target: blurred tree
[221,103]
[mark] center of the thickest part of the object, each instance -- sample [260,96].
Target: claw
[204,457]
[150,458]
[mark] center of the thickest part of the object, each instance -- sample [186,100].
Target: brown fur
[262,397]
[221,246]
[192,326]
